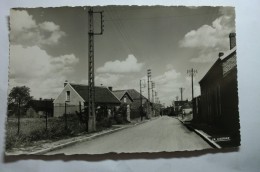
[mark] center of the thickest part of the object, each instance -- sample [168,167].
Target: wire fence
[66,120]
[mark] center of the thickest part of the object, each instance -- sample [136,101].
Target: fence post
[46,120]
[19,114]
[46,116]
[65,116]
[80,107]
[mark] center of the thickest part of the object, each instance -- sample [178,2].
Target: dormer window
[67,96]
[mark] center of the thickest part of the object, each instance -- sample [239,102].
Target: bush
[105,122]
[15,140]
[119,119]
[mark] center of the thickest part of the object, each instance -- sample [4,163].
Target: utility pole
[149,74]
[142,85]
[181,89]
[153,86]
[91,75]
[192,73]
[155,96]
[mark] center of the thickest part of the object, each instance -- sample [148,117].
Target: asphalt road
[161,134]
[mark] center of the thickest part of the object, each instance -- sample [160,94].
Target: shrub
[14,141]
[119,119]
[105,122]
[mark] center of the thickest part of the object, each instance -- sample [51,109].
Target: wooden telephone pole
[149,75]
[192,73]
[91,122]
[181,90]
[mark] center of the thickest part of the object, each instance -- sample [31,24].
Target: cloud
[33,67]
[206,56]
[107,79]
[169,66]
[21,20]
[167,85]
[213,37]
[26,31]
[128,65]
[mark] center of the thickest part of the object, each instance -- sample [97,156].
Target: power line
[161,17]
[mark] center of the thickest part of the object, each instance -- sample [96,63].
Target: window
[124,99]
[67,96]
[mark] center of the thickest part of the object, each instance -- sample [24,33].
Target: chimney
[232,39]
[220,54]
[110,88]
[40,99]
[65,83]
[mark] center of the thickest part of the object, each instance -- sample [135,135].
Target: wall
[229,118]
[229,63]
[210,93]
[72,105]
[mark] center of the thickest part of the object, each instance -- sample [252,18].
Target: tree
[17,100]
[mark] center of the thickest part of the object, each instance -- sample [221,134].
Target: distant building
[76,96]
[132,98]
[178,105]
[219,95]
[40,108]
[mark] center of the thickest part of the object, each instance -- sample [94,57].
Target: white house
[75,96]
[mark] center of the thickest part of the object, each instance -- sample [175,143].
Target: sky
[50,45]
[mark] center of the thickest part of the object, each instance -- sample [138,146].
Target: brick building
[218,104]
[133,99]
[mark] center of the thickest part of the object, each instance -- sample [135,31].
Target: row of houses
[74,98]
[217,105]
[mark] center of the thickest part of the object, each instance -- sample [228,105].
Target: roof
[132,93]
[102,94]
[228,53]
[120,93]
[225,56]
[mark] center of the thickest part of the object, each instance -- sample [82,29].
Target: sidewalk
[44,146]
[205,136]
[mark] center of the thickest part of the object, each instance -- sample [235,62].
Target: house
[219,95]
[74,97]
[132,98]
[39,108]
[123,96]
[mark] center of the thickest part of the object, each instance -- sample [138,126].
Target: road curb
[202,135]
[43,151]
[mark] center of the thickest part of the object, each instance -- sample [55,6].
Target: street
[162,134]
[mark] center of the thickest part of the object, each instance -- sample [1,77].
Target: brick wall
[229,64]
